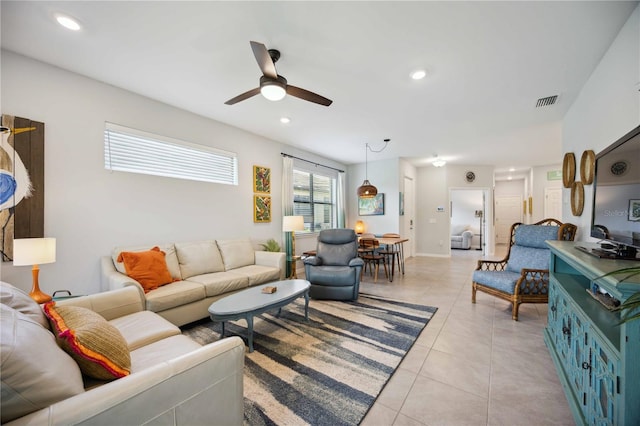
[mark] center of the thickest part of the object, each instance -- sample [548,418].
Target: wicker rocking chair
[523,275]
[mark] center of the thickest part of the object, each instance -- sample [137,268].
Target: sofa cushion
[144,327]
[221,282]
[97,346]
[170,257]
[175,294]
[259,274]
[23,303]
[35,371]
[162,351]
[199,257]
[149,267]
[236,253]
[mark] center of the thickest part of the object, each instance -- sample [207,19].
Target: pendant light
[366,190]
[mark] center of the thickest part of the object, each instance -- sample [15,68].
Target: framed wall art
[371,206]
[261,208]
[634,210]
[261,179]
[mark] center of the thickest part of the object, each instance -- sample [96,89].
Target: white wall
[464,203]
[90,210]
[540,183]
[382,174]
[433,187]
[607,107]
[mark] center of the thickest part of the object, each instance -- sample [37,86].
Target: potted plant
[271,245]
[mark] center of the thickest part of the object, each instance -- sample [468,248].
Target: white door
[408,230]
[508,210]
[553,203]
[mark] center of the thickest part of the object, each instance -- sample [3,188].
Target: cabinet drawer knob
[553,308]
[566,331]
[586,366]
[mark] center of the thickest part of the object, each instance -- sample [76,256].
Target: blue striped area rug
[327,371]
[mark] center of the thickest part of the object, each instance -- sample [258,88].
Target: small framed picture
[261,179]
[634,210]
[261,208]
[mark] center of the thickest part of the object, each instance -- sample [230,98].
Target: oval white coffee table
[252,301]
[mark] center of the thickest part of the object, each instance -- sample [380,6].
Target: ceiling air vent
[549,100]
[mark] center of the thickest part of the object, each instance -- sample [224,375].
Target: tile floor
[472,364]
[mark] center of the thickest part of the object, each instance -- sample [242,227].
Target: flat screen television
[615,218]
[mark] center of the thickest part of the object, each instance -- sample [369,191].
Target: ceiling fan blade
[307,95]
[242,97]
[264,59]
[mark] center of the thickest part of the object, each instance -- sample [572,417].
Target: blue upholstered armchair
[523,275]
[334,272]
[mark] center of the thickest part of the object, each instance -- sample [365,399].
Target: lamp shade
[359,228]
[34,251]
[292,223]
[366,190]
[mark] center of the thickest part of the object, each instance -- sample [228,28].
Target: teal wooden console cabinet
[597,359]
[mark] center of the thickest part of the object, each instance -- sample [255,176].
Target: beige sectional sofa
[173,380]
[204,271]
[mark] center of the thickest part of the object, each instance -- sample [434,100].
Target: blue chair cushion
[535,235]
[528,257]
[500,280]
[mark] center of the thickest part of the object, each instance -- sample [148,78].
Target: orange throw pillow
[149,268]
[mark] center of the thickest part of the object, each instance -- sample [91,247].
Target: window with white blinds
[135,151]
[314,199]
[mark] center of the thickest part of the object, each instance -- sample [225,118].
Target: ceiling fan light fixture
[273,90]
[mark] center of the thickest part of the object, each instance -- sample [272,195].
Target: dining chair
[372,259]
[392,252]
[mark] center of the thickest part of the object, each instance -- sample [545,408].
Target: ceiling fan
[273,86]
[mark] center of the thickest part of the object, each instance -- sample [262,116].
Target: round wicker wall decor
[577,198]
[587,165]
[568,169]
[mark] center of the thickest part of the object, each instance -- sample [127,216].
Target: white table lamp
[35,251]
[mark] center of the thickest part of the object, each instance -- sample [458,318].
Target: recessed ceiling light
[285,120]
[512,169]
[418,74]
[68,23]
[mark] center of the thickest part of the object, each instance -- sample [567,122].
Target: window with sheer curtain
[314,198]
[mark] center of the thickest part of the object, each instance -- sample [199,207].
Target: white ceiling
[487,62]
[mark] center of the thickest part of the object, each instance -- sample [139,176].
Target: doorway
[508,211]
[469,210]
[409,218]
[553,203]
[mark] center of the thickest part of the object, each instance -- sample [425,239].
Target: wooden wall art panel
[21,182]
